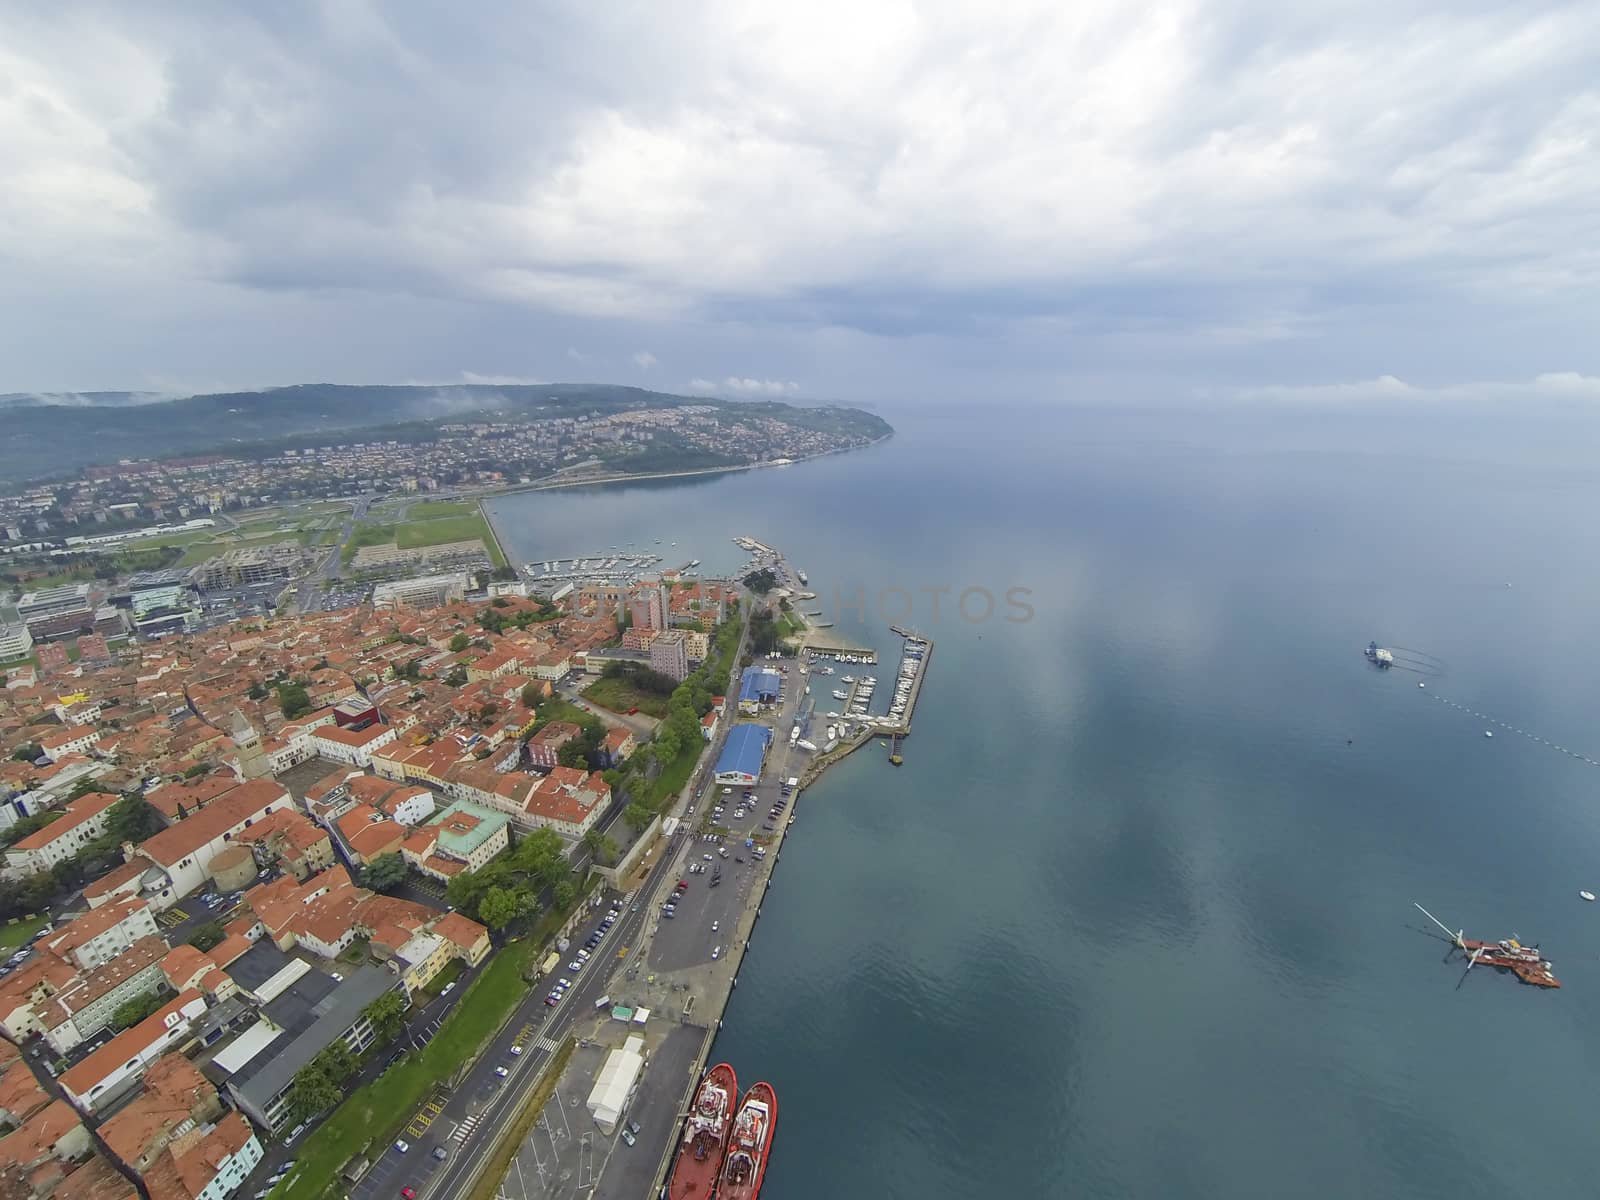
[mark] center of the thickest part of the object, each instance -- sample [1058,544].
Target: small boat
[1587,895]
[1488,733]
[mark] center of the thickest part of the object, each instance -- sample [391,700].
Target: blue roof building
[759,685]
[743,754]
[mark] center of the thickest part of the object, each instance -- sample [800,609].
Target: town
[252,868]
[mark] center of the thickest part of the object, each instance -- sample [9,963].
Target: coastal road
[483,1101]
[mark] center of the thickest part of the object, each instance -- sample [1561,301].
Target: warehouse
[744,754]
[759,685]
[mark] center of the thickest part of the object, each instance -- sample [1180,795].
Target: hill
[46,440]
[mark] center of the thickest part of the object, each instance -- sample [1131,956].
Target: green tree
[136,1010]
[293,700]
[385,1013]
[497,908]
[196,771]
[207,936]
[27,752]
[564,894]
[637,816]
[27,825]
[132,819]
[337,1061]
[312,1092]
[457,677]
[571,754]
[530,695]
[258,691]
[384,873]
[459,643]
[592,838]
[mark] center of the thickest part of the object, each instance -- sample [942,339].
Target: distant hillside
[80,399]
[45,440]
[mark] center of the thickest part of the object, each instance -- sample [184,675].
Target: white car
[707,857]
[402,1146]
[716,952]
[516,1050]
[716,925]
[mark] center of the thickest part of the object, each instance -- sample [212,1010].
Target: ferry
[705,1134]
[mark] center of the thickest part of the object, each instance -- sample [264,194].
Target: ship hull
[747,1185]
[704,1140]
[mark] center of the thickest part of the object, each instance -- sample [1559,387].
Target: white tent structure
[614,1084]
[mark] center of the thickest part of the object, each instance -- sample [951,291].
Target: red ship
[750,1144]
[1508,954]
[705,1136]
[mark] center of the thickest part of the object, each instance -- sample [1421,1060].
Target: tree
[258,691]
[459,643]
[571,754]
[26,825]
[530,695]
[207,936]
[132,819]
[761,582]
[564,894]
[592,838]
[27,752]
[136,1010]
[497,908]
[293,700]
[312,1092]
[197,770]
[385,1013]
[637,816]
[384,873]
[457,677]
[337,1060]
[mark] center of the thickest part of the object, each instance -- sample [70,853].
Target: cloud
[1551,385]
[645,359]
[500,380]
[1025,188]
[734,385]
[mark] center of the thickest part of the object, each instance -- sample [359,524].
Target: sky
[868,202]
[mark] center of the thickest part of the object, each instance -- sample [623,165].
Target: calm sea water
[1135,917]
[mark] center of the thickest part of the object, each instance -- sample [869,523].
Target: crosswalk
[546,1043]
[467,1128]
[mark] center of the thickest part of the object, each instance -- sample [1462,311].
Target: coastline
[548,485]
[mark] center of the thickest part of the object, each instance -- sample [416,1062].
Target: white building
[423,591]
[114,1067]
[101,934]
[181,855]
[224,1154]
[15,641]
[352,746]
[81,822]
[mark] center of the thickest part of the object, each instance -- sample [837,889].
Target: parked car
[627,1136]
[439,1153]
[502,1072]
[402,1146]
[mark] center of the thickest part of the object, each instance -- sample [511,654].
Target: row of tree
[319,1085]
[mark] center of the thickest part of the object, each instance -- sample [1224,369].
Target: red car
[410,1193]
[631,711]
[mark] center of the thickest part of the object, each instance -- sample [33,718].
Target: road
[311,586]
[483,1100]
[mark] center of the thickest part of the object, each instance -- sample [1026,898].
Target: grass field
[432,531]
[431,510]
[14,934]
[619,695]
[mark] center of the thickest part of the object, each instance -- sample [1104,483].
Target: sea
[1135,917]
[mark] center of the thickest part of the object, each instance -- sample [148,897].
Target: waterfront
[1134,919]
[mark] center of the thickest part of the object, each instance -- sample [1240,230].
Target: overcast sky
[857,200]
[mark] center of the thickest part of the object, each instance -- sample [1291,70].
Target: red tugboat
[705,1136]
[750,1145]
[1525,962]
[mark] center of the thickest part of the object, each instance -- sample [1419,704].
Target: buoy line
[1501,725]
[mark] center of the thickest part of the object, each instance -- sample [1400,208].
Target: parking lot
[566,1154]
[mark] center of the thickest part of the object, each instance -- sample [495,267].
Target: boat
[705,1134]
[1587,895]
[839,695]
[847,679]
[1378,656]
[1508,954]
[749,1144]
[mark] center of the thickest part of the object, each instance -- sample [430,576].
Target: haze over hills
[49,435]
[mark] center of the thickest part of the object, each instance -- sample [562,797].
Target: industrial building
[744,754]
[758,686]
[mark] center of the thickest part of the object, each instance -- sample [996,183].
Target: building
[81,822]
[176,1098]
[614,1084]
[71,599]
[15,641]
[758,686]
[102,933]
[464,837]
[422,957]
[744,754]
[544,747]
[114,1068]
[424,591]
[181,856]
[617,744]
[647,607]
[207,1163]
[669,654]
[299,1017]
[86,1005]
[353,746]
